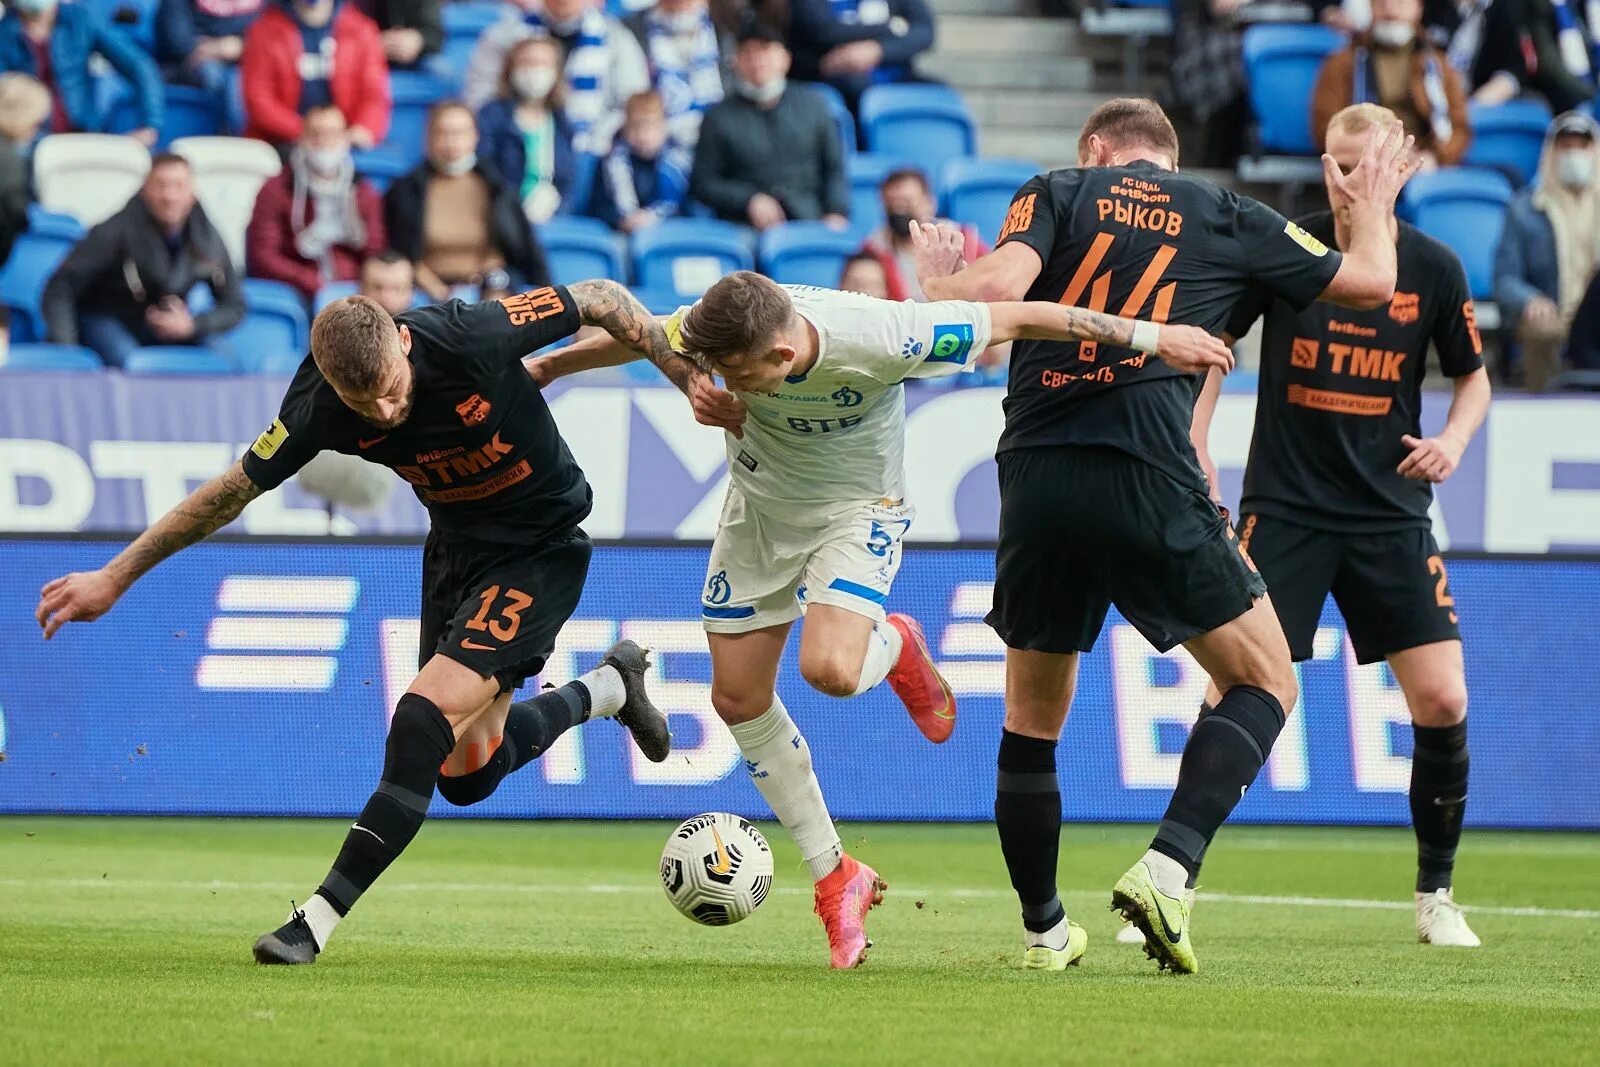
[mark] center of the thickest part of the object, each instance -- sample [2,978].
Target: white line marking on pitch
[958,893]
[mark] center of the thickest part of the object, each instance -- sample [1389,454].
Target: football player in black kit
[1103,500]
[1337,490]
[440,396]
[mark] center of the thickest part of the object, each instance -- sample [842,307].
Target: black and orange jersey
[480,448]
[1151,244]
[1340,387]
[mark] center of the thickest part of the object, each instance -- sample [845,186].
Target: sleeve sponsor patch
[1305,240]
[674,329]
[952,343]
[271,439]
[1019,218]
[536,304]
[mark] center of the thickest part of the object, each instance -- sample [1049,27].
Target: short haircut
[1359,118]
[740,315]
[906,174]
[649,100]
[1131,121]
[350,341]
[388,257]
[168,159]
[448,105]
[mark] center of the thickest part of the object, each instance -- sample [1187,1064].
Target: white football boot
[1440,921]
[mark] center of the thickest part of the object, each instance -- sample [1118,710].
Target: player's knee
[830,673]
[1274,678]
[1443,704]
[734,707]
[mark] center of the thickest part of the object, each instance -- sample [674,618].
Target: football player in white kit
[817,511]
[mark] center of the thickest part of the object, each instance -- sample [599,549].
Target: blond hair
[24,104]
[1359,118]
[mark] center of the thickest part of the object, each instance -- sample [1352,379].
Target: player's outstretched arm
[608,305]
[1185,348]
[1004,274]
[1364,201]
[588,353]
[86,596]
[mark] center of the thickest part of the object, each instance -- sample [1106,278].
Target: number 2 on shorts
[1441,589]
[510,621]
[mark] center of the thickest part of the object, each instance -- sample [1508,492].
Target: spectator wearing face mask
[55,43]
[863,273]
[388,278]
[684,51]
[640,182]
[770,152]
[315,222]
[307,53]
[603,64]
[1394,66]
[457,220]
[524,133]
[411,29]
[1545,270]
[199,41]
[907,195]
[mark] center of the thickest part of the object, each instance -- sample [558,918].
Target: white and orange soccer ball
[716,868]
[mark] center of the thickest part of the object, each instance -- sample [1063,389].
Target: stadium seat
[280,301]
[414,93]
[90,176]
[228,173]
[1281,64]
[918,121]
[179,360]
[26,357]
[331,292]
[54,224]
[658,301]
[980,191]
[136,18]
[380,166]
[190,112]
[865,173]
[577,248]
[1509,137]
[840,111]
[260,341]
[464,21]
[688,255]
[805,253]
[34,258]
[1466,209]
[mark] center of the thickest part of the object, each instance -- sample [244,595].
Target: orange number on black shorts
[1100,292]
[1441,588]
[506,626]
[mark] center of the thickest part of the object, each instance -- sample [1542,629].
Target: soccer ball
[716,868]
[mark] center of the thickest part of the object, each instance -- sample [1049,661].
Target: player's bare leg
[844,654]
[1248,659]
[744,673]
[1027,802]
[1433,679]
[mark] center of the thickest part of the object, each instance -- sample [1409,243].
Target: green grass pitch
[127,941]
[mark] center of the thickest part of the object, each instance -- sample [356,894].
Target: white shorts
[766,568]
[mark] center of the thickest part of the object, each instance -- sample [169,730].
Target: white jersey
[836,434]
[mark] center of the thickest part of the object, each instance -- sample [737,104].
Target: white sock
[1055,937]
[1168,874]
[779,762]
[883,649]
[321,917]
[606,694]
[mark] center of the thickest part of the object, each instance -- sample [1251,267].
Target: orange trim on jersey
[1086,269]
[1147,281]
[1340,403]
[482,489]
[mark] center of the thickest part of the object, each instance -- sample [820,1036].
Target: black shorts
[1391,588]
[497,609]
[1084,528]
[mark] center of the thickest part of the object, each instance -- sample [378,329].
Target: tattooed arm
[1185,348]
[86,596]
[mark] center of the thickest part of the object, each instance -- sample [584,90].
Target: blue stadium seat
[1509,137]
[179,359]
[840,111]
[658,301]
[191,112]
[866,172]
[1281,63]
[46,223]
[381,166]
[1466,209]
[688,255]
[331,292]
[805,253]
[980,191]
[278,365]
[577,248]
[414,93]
[260,340]
[34,258]
[136,18]
[917,121]
[464,21]
[266,299]
[25,357]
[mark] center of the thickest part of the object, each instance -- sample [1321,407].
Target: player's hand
[81,597]
[1387,162]
[939,249]
[1192,350]
[1432,459]
[715,406]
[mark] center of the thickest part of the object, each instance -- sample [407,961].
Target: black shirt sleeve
[1251,306]
[1455,324]
[1282,257]
[292,439]
[497,332]
[1031,218]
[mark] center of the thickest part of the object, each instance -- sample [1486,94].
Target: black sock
[1438,800]
[420,738]
[532,726]
[1027,812]
[1224,754]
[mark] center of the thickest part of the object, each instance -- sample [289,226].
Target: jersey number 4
[1099,287]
